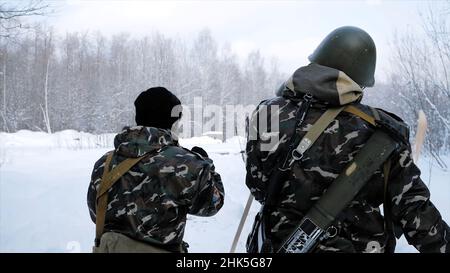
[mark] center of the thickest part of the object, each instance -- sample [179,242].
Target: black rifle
[314,226]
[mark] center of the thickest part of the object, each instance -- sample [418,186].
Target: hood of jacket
[327,85]
[139,140]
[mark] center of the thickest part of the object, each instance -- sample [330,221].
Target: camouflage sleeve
[411,208]
[255,180]
[92,189]
[210,196]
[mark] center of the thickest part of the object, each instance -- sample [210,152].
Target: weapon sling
[342,191]
[274,185]
[109,178]
[295,153]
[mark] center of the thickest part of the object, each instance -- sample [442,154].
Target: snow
[63,139]
[44,179]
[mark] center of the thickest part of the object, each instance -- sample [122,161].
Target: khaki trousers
[113,242]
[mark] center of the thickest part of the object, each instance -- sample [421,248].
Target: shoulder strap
[323,122]
[112,176]
[355,111]
[315,131]
[107,181]
[296,153]
[341,192]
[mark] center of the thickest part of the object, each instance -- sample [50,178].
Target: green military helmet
[351,50]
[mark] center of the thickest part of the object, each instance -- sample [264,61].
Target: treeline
[88,82]
[420,78]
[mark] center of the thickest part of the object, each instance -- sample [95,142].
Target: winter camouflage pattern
[150,202]
[361,227]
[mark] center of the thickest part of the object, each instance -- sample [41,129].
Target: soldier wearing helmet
[341,67]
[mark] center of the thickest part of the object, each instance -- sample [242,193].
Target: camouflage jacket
[151,201]
[361,227]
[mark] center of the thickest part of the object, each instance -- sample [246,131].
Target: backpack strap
[109,177]
[355,111]
[322,123]
[315,131]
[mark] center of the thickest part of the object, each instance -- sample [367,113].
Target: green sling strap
[313,134]
[341,192]
[386,166]
[109,177]
[322,123]
[372,120]
[355,111]
[388,224]
[315,131]
[376,152]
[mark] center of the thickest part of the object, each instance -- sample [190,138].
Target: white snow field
[44,180]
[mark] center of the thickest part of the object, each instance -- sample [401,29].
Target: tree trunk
[4,83]
[46,117]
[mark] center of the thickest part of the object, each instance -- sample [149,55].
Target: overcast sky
[287,30]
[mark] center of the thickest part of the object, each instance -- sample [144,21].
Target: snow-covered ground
[44,179]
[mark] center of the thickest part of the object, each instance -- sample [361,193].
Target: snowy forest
[87,81]
[421,78]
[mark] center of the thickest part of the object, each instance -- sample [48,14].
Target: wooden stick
[420,135]
[241,223]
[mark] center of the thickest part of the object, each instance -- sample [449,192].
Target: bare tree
[48,52]
[12,23]
[422,76]
[13,13]
[3,74]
